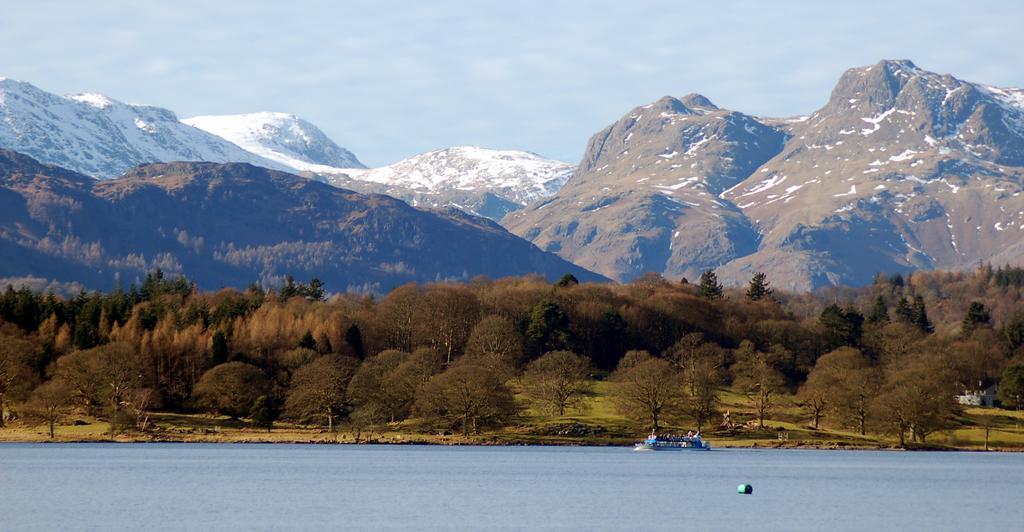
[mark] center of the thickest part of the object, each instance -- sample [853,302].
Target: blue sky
[391,79]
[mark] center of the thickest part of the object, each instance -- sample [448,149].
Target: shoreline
[485,442]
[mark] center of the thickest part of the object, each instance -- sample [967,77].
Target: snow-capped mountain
[280,137]
[486,182]
[102,137]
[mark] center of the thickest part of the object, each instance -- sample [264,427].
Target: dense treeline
[887,358]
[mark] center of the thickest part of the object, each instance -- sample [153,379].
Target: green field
[596,423]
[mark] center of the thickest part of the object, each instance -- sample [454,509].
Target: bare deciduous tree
[558,380]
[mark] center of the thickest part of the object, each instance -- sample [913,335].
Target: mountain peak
[897,65]
[94,99]
[698,101]
[280,137]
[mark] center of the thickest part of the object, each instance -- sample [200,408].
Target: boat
[690,442]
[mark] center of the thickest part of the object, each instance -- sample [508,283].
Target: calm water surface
[273,487]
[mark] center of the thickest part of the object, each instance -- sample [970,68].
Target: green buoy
[745,489]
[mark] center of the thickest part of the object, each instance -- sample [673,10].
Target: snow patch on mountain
[102,137]
[280,137]
[518,176]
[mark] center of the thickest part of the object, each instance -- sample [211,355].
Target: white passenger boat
[690,442]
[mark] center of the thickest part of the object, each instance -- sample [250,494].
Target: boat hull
[647,447]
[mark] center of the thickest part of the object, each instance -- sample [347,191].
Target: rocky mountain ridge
[902,169]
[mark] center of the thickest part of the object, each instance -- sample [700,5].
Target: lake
[220,486]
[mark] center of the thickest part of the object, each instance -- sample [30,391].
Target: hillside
[234,224]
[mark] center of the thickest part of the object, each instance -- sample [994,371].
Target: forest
[886,359]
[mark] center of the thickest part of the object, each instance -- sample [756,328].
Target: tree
[709,286]
[759,379]
[51,401]
[759,288]
[845,382]
[977,316]
[264,412]
[703,377]
[916,398]
[446,318]
[307,341]
[879,312]
[468,396]
[495,342]
[383,388]
[647,389]
[16,375]
[231,389]
[219,348]
[102,377]
[920,315]
[318,389]
[548,329]
[354,339]
[558,380]
[1011,387]
[567,280]
[842,326]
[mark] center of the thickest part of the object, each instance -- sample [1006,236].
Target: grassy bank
[598,423]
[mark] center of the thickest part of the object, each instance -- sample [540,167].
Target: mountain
[280,137]
[490,183]
[645,196]
[902,169]
[233,224]
[101,137]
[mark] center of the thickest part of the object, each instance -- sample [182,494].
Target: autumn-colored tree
[231,389]
[16,375]
[51,401]
[102,377]
[558,380]
[378,390]
[319,389]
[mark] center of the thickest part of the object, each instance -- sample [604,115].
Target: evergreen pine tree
[219,348]
[323,344]
[977,316]
[567,280]
[879,312]
[920,315]
[264,412]
[354,339]
[759,287]
[904,312]
[709,286]
[307,341]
